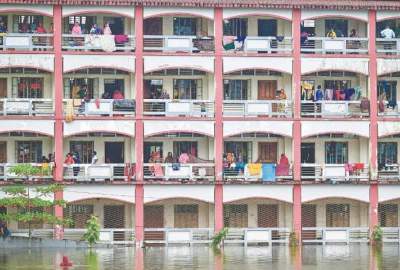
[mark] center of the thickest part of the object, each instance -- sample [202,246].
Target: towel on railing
[107,43]
[254,168]
[268,171]
[121,39]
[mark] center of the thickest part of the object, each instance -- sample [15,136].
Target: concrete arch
[319,192]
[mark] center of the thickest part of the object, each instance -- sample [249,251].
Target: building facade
[269,118]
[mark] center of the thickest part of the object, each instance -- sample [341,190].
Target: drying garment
[349,92]
[121,39]
[328,94]
[392,104]
[107,43]
[358,166]
[381,106]
[254,168]
[158,172]
[268,172]
[69,111]
[364,105]
[280,38]
[176,166]
[282,170]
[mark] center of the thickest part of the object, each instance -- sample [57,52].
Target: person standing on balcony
[69,160]
[184,157]
[331,33]
[107,29]
[319,94]
[117,94]
[388,33]
[76,29]
[94,158]
[169,158]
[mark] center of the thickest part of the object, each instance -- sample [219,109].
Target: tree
[92,234]
[26,170]
[31,204]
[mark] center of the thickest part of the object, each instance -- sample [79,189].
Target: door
[153,26]
[267,152]
[114,217]
[309,219]
[186,216]
[337,215]
[267,89]
[153,218]
[308,156]
[3,87]
[236,216]
[267,28]
[114,152]
[3,152]
[268,217]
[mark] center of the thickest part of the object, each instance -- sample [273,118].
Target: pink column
[219,136]
[139,189]
[296,82]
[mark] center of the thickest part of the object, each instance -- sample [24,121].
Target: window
[185,26]
[84,149]
[337,84]
[185,147]
[27,87]
[112,85]
[86,22]
[388,89]
[388,215]
[187,89]
[28,151]
[152,26]
[26,23]
[235,215]
[337,215]
[33,224]
[116,24]
[387,153]
[235,27]
[77,87]
[79,214]
[243,149]
[152,147]
[152,89]
[336,152]
[236,89]
[339,26]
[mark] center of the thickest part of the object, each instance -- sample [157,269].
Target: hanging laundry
[157,170]
[268,172]
[254,168]
[107,43]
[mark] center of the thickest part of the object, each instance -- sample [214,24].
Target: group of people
[184,157]
[74,158]
[94,30]
[308,93]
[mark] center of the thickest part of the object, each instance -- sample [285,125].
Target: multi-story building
[285,112]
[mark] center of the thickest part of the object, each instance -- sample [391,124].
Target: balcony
[337,45]
[105,43]
[178,107]
[45,173]
[355,172]
[26,106]
[98,172]
[256,44]
[26,41]
[189,44]
[239,174]
[388,46]
[268,108]
[99,107]
[334,108]
[192,172]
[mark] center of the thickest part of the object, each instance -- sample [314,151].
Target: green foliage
[92,231]
[377,235]
[26,170]
[219,237]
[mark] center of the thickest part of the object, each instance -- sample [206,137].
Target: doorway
[153,26]
[114,152]
[267,89]
[186,216]
[267,27]
[267,216]
[236,215]
[309,220]
[3,87]
[337,215]
[267,152]
[116,25]
[308,156]
[153,218]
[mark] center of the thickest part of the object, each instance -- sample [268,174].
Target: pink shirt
[76,30]
[184,158]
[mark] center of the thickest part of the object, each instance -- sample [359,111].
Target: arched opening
[179,92]
[332,93]
[257,156]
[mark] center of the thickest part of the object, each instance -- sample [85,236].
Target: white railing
[98,42]
[389,172]
[107,236]
[168,236]
[26,106]
[257,235]
[179,171]
[280,108]
[327,108]
[178,107]
[335,172]
[178,43]
[98,172]
[103,107]
[267,44]
[325,235]
[44,174]
[342,45]
[390,109]
[26,41]
[243,174]
[388,45]
[391,234]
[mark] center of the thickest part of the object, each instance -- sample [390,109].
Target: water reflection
[329,257]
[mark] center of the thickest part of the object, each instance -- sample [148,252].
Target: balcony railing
[280,173]
[279,108]
[389,109]
[179,171]
[103,107]
[335,172]
[178,107]
[325,235]
[333,108]
[26,106]
[391,234]
[178,43]
[107,43]
[339,45]
[45,172]
[389,46]
[98,172]
[26,41]
[390,172]
[263,44]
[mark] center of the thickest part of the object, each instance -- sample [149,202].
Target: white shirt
[94,159]
[388,33]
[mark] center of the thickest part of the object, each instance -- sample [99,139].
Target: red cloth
[282,170]
[121,38]
[284,160]
[358,166]
[117,95]
[97,102]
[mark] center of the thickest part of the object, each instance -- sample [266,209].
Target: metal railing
[107,236]
[103,107]
[390,109]
[178,107]
[26,41]
[335,172]
[389,172]
[179,171]
[279,108]
[325,235]
[89,42]
[341,45]
[329,108]
[45,172]
[244,174]
[390,46]
[98,172]
[26,106]
[391,234]
[247,236]
[177,43]
[168,236]
[267,44]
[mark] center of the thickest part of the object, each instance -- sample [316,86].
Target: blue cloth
[268,172]
[319,95]
[176,166]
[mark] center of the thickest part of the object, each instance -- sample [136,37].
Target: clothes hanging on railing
[268,172]
[254,168]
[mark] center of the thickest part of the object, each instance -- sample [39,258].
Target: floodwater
[329,257]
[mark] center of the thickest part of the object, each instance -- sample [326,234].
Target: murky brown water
[330,257]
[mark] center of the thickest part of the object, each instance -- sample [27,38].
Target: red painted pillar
[139,189]
[219,136]
[373,145]
[296,83]
[58,105]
